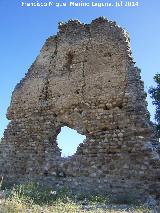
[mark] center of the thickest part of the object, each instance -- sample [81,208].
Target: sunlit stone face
[84,78]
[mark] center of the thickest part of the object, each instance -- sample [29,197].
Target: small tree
[155,95]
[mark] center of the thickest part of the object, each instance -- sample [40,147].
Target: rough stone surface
[83,78]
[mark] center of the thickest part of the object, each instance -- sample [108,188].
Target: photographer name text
[81,4]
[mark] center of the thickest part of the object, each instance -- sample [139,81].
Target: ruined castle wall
[83,78]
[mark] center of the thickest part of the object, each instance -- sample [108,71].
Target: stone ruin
[84,78]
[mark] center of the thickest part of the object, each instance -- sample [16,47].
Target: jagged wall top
[75,25]
[75,56]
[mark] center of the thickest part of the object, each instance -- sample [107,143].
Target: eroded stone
[83,78]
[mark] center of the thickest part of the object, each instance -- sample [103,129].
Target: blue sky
[23,31]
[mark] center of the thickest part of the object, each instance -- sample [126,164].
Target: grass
[35,198]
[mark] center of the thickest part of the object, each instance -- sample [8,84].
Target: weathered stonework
[83,78]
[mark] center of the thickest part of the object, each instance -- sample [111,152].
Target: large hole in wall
[68,140]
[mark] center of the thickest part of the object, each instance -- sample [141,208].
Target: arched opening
[68,140]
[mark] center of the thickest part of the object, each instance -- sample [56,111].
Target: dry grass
[33,198]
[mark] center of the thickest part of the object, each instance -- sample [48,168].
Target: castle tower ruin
[83,78]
